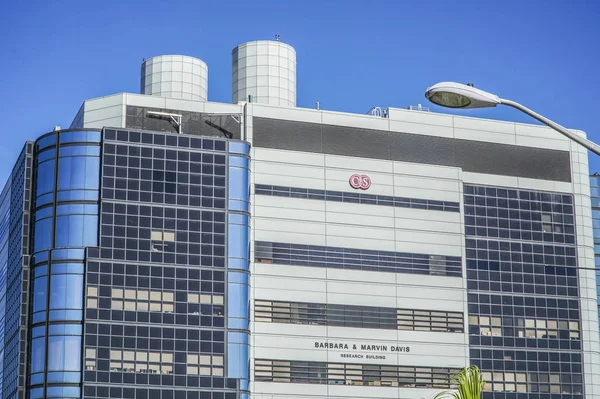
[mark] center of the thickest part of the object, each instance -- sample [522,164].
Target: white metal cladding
[175,76]
[265,70]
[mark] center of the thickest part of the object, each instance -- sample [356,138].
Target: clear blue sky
[352,54]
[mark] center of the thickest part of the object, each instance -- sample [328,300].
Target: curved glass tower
[65,222]
[139,266]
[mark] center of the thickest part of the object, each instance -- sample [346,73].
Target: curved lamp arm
[593,147]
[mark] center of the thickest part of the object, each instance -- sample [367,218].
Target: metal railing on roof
[418,107]
[378,111]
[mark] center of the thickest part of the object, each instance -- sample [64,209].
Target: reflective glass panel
[76,230]
[238,300]
[83,136]
[240,148]
[45,177]
[66,291]
[239,242]
[39,293]
[46,141]
[64,353]
[239,189]
[42,235]
[238,357]
[78,173]
[38,354]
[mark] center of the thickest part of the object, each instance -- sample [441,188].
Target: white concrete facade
[325,223]
[304,221]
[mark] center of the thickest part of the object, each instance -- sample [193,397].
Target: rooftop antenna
[277,37]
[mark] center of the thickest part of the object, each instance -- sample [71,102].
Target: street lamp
[458,95]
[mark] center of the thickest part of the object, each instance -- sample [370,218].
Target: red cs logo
[361,182]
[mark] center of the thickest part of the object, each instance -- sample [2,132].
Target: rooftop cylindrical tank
[266,71]
[175,76]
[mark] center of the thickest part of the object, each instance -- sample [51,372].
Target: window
[162,241]
[43,234]
[64,353]
[239,185]
[204,365]
[76,231]
[344,258]
[92,297]
[129,361]
[533,328]
[362,198]
[40,290]
[352,374]
[66,291]
[90,358]
[528,382]
[142,300]
[45,176]
[38,355]
[78,172]
[357,316]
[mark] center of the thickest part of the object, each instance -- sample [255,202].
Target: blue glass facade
[139,259]
[522,280]
[166,289]
[14,275]
[65,222]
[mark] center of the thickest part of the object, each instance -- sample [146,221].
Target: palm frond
[469,385]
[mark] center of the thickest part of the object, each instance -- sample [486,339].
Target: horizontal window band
[357,316]
[357,198]
[353,374]
[357,259]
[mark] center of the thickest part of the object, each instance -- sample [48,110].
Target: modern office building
[168,247]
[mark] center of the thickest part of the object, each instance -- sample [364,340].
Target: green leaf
[469,385]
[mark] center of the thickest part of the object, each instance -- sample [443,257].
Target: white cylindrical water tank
[175,76]
[264,70]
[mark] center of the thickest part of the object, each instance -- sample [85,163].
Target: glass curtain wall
[238,263]
[65,216]
[14,273]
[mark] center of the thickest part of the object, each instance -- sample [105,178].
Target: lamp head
[458,95]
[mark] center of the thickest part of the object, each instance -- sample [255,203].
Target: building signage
[378,350]
[360,182]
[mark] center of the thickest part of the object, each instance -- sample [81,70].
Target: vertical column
[586,271]
[238,263]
